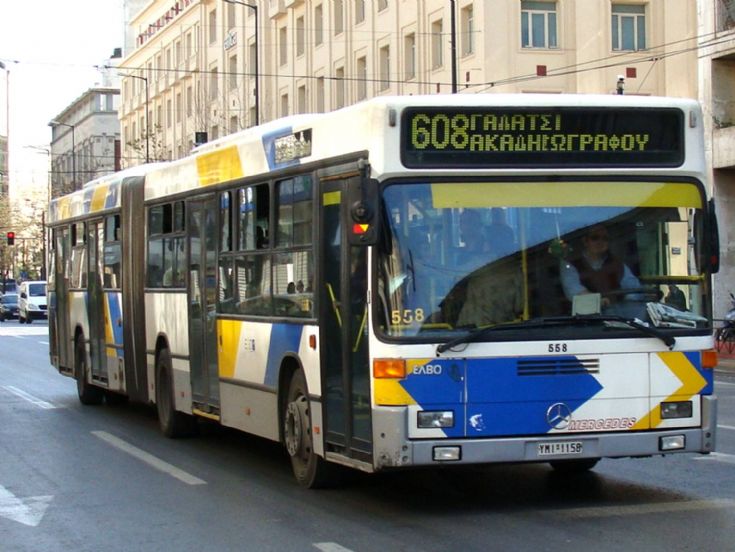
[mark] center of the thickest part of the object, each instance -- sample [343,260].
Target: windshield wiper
[477,334]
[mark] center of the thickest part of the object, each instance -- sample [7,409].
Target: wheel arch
[290,364]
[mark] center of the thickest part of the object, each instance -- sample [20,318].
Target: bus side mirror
[363,211]
[712,239]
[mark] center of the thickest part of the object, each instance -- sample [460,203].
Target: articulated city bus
[411,281]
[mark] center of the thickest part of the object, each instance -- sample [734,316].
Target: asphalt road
[103,478]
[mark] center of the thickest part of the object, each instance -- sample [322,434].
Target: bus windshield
[457,256]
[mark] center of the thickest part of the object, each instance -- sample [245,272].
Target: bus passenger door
[343,328]
[59,305]
[96,301]
[202,241]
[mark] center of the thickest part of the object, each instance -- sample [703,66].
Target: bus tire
[173,423]
[574,466]
[311,471]
[88,394]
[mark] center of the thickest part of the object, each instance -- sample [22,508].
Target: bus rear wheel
[172,422]
[310,470]
[88,394]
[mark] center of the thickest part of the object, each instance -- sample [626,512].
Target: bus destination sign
[456,137]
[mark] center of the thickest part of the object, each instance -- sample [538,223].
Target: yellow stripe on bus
[99,195]
[565,194]
[332,198]
[228,335]
[219,166]
[390,392]
[691,380]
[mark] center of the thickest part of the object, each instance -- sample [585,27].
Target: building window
[437,44]
[231,16]
[301,93]
[234,124]
[338,17]
[300,36]
[178,107]
[409,45]
[189,101]
[384,57]
[468,30]
[284,105]
[359,11]
[361,78]
[339,88]
[318,25]
[169,113]
[283,45]
[213,84]
[213,26]
[538,24]
[233,72]
[382,4]
[628,27]
[320,94]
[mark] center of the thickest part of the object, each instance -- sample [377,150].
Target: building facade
[193,65]
[85,140]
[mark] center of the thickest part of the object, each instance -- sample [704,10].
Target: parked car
[32,302]
[8,306]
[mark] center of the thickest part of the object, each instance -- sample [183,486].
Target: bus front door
[343,328]
[202,241]
[96,302]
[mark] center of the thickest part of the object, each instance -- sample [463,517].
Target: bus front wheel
[172,422]
[310,469]
[88,394]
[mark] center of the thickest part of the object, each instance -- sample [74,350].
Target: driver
[596,270]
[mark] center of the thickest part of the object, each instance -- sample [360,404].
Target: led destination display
[552,137]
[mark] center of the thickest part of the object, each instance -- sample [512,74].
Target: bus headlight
[434,419]
[681,409]
[672,442]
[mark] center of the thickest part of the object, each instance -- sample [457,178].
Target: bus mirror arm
[363,201]
[713,238]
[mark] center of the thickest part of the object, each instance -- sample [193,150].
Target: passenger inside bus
[596,270]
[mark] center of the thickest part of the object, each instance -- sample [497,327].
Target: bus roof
[371,126]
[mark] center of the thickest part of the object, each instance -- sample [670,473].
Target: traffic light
[11,238]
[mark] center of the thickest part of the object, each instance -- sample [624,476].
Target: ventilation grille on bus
[558,366]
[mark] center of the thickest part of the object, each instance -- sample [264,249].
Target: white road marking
[719,383]
[43,342]
[718,457]
[638,509]
[30,398]
[28,511]
[721,426]
[330,547]
[149,459]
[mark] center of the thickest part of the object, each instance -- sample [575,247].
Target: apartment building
[192,67]
[85,140]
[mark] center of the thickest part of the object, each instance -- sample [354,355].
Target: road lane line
[720,426]
[149,459]
[638,509]
[718,457]
[330,547]
[30,398]
[719,383]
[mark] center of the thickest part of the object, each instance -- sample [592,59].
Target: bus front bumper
[393,449]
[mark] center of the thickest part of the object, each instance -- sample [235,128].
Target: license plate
[560,448]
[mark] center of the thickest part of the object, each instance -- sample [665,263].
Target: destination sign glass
[451,137]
